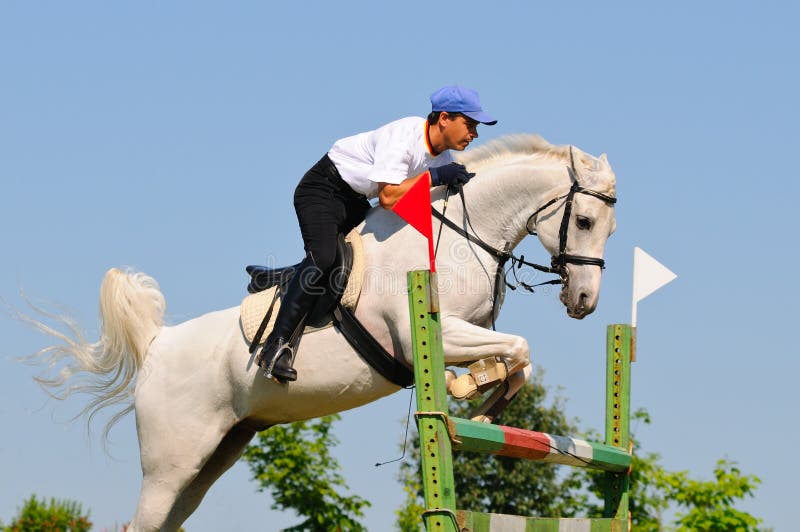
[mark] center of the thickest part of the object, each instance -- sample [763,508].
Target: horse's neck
[501,199]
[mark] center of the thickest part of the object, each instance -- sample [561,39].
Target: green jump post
[435,450]
[620,342]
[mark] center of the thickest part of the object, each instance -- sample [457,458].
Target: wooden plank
[531,445]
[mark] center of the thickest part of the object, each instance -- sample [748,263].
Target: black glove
[450,174]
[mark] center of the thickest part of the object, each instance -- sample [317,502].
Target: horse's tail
[131,313]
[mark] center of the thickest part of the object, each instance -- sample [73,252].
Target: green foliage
[647,501]
[294,463]
[409,515]
[487,483]
[56,515]
[710,503]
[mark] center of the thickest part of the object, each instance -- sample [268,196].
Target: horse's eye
[583,223]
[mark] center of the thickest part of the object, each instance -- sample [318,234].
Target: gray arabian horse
[198,397]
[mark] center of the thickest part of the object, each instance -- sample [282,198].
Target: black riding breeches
[326,206]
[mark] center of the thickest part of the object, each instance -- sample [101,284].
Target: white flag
[648,276]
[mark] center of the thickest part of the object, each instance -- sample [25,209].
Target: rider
[332,197]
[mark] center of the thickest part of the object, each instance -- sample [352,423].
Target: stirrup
[285,346]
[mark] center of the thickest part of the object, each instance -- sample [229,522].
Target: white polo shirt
[389,154]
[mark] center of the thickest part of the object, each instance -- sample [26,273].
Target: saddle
[343,286]
[335,307]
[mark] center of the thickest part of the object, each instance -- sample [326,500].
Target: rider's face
[458,130]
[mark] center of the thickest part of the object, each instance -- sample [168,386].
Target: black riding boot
[277,355]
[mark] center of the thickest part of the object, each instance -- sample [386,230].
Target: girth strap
[370,350]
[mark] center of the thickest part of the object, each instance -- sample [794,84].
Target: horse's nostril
[582,299]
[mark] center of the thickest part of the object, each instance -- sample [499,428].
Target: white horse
[197,395]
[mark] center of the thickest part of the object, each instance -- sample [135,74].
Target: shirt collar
[428,145]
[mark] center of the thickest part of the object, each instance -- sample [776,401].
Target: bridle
[558,263]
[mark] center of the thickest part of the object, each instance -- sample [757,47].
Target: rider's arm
[389,194]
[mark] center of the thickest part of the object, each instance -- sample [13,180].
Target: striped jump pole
[440,434]
[469,435]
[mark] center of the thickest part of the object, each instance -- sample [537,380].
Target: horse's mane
[512,145]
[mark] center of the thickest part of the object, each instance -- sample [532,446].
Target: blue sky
[169,137]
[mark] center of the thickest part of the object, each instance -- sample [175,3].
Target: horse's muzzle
[578,305]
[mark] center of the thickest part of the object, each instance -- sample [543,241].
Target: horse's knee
[519,355]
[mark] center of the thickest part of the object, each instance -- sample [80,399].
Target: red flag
[415,208]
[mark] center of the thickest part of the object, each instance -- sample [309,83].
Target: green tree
[56,515]
[409,515]
[709,505]
[294,463]
[488,483]
[647,500]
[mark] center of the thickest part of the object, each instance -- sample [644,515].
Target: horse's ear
[578,161]
[604,158]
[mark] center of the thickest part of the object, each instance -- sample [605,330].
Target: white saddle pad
[254,307]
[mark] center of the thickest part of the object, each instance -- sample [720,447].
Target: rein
[558,263]
[501,275]
[502,256]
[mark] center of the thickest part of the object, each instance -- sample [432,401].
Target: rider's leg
[296,303]
[321,211]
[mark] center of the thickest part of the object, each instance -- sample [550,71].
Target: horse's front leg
[492,407]
[465,342]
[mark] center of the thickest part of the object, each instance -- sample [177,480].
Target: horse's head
[574,226]
[527,185]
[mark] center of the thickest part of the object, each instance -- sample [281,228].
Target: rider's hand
[450,174]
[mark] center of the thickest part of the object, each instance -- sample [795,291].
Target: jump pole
[435,450]
[441,434]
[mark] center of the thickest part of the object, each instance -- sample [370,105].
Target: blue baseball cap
[455,99]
